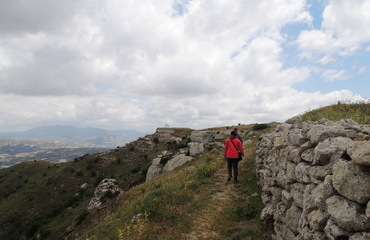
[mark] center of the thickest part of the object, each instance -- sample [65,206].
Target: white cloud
[344,29]
[334,74]
[129,64]
[113,112]
[326,59]
[348,20]
[136,45]
[30,17]
[363,69]
[100,111]
[315,41]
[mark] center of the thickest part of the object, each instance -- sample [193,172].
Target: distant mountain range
[76,137]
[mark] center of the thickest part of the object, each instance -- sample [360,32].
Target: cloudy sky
[125,64]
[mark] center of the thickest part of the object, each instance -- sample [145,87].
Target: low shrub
[258,127]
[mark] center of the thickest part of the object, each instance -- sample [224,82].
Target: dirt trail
[204,224]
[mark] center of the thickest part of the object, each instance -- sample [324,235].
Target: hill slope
[359,112]
[193,202]
[41,198]
[48,200]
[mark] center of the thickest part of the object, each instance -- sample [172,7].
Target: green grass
[37,201]
[175,203]
[171,203]
[359,112]
[44,198]
[241,219]
[39,197]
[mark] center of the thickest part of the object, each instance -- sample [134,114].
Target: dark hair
[233,133]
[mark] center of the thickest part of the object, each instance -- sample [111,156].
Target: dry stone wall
[315,179]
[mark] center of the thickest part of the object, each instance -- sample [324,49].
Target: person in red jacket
[233,152]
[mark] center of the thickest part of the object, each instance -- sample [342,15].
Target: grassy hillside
[45,200]
[359,112]
[193,201]
[42,198]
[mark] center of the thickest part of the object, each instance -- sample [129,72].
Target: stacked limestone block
[315,178]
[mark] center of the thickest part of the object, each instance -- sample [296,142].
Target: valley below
[57,144]
[16,151]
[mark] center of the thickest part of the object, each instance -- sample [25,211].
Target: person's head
[233,134]
[235,129]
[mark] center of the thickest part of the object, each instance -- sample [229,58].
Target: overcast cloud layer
[186,63]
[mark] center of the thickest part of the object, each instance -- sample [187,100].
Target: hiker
[233,152]
[237,134]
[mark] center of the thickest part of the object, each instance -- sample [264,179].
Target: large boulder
[195,149]
[294,120]
[175,162]
[319,133]
[348,215]
[202,136]
[350,181]
[331,148]
[360,153]
[106,189]
[155,170]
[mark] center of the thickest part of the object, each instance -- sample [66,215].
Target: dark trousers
[232,168]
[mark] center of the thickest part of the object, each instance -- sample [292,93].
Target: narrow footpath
[204,225]
[230,209]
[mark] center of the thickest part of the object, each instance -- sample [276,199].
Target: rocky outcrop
[195,148]
[167,162]
[106,189]
[199,142]
[315,179]
[155,170]
[175,162]
[166,134]
[205,136]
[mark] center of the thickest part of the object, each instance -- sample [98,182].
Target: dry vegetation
[359,112]
[193,202]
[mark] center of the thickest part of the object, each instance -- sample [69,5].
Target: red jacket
[230,151]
